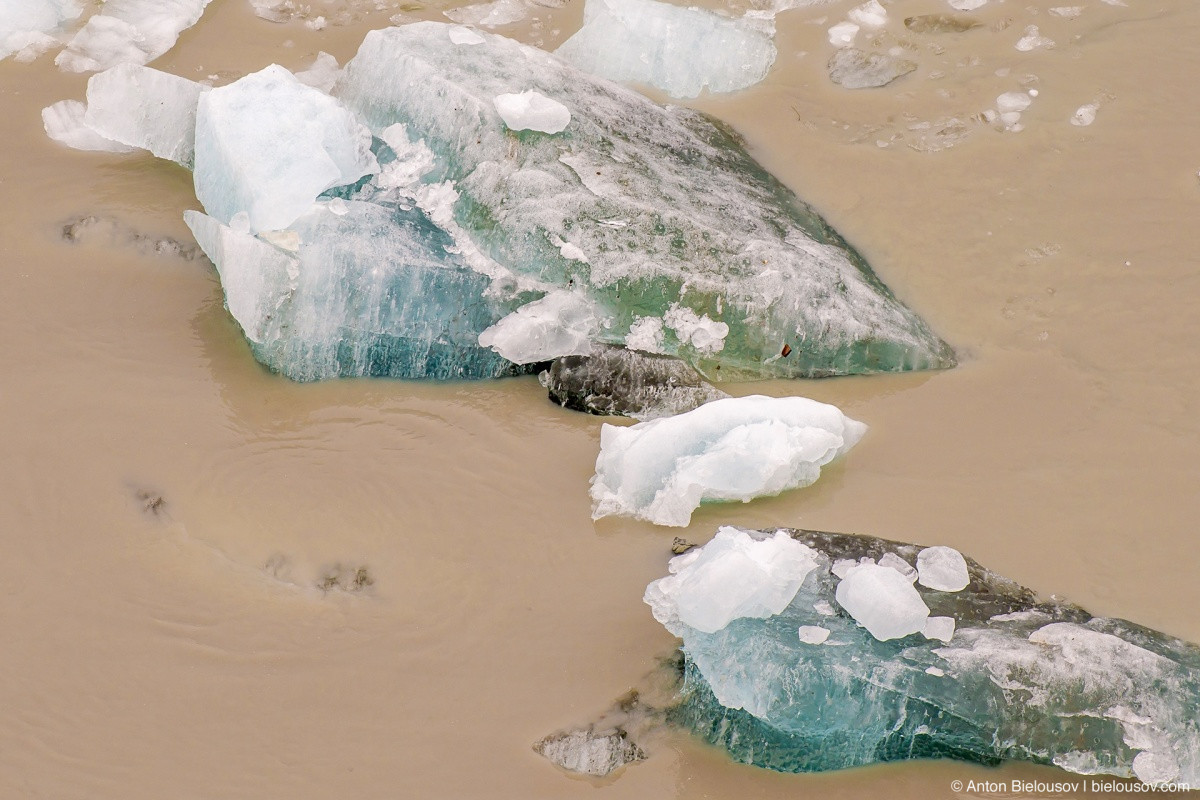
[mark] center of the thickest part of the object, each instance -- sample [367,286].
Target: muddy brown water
[171,510]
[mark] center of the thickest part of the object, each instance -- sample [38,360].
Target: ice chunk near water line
[129,32]
[664,204]
[736,448]
[267,145]
[658,43]
[942,568]
[532,111]
[615,380]
[562,323]
[64,123]
[147,109]
[994,674]
[26,25]
[366,289]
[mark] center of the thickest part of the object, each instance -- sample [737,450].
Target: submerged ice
[737,448]
[538,211]
[987,672]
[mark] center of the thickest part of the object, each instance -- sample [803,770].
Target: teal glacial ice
[808,651]
[464,206]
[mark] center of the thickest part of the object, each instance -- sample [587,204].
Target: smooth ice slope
[145,108]
[737,448]
[682,51]
[129,32]
[29,23]
[369,289]
[267,145]
[647,209]
[1020,678]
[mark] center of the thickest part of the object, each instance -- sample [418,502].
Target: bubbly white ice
[843,34]
[532,111]
[682,51]
[26,25]
[813,634]
[129,32]
[737,448]
[883,601]
[733,576]
[942,568]
[560,324]
[267,145]
[694,329]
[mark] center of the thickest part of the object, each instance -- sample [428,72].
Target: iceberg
[614,380]
[26,25]
[682,51]
[994,673]
[737,448]
[657,213]
[267,145]
[129,32]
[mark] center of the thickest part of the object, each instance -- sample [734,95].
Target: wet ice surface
[993,674]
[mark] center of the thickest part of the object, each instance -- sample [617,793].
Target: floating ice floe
[736,448]
[1084,115]
[1032,39]
[129,32]
[27,26]
[986,674]
[682,51]
[655,217]
[857,69]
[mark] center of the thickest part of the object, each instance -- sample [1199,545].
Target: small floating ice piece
[940,628]
[1013,101]
[967,5]
[737,448]
[64,123]
[843,34]
[942,568]
[883,601]
[532,111]
[869,15]
[1084,115]
[682,51]
[1033,39]
[490,15]
[559,324]
[268,145]
[732,577]
[813,634]
[129,32]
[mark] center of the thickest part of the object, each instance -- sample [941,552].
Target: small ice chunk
[1066,12]
[731,577]
[490,15]
[857,69]
[813,634]
[64,123]
[942,569]
[1033,39]
[129,32]
[322,73]
[146,108]
[657,43]
[462,35]
[1084,115]
[883,601]
[532,111]
[967,5]
[823,608]
[560,324]
[736,448]
[869,15]
[646,334]
[899,564]
[841,568]
[940,628]
[843,34]
[25,25]
[937,673]
[696,330]
[268,145]
[1013,101]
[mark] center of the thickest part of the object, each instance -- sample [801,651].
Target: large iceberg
[994,673]
[657,213]
[26,25]
[682,51]
[737,448]
[129,32]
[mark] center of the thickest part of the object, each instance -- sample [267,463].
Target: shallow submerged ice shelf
[856,661]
